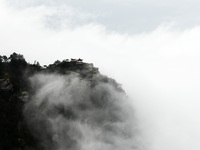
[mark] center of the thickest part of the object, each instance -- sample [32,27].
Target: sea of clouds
[159,69]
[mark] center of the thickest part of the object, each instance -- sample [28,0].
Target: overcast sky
[129,16]
[151,47]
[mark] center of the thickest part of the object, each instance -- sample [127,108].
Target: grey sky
[128,16]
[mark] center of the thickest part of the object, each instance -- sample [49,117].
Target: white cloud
[130,16]
[74,114]
[159,69]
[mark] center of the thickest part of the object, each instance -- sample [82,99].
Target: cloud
[74,113]
[135,16]
[158,69]
[31,25]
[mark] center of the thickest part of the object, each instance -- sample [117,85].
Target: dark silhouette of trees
[15,71]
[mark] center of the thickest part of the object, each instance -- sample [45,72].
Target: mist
[67,112]
[159,69]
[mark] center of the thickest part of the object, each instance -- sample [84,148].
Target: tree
[57,62]
[5,58]
[16,56]
[1,58]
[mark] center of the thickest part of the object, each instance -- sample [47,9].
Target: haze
[151,48]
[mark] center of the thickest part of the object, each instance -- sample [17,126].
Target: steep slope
[66,105]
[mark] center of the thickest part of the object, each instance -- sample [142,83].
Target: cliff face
[66,105]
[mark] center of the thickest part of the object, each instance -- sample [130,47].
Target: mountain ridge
[16,91]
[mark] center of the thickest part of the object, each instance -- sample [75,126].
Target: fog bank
[67,112]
